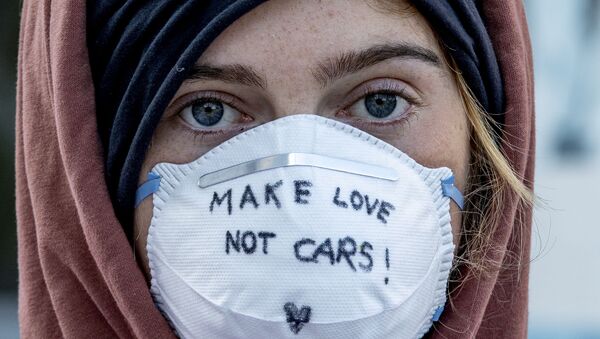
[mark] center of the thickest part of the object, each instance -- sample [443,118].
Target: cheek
[448,146]
[172,144]
[446,143]
[438,136]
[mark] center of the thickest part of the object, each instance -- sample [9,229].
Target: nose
[299,97]
[290,113]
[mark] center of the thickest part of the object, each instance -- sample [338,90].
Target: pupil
[207,112]
[380,105]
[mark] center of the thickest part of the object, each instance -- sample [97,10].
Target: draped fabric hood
[77,273]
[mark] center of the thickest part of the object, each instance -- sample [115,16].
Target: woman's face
[371,64]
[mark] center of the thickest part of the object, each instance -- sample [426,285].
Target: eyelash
[385,86]
[190,99]
[389,87]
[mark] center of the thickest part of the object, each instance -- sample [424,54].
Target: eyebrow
[353,61]
[327,71]
[235,73]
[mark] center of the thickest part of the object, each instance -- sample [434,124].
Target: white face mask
[303,227]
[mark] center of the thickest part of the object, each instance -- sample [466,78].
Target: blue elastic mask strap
[438,313]
[450,191]
[147,188]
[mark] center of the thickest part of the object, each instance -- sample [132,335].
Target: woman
[244,82]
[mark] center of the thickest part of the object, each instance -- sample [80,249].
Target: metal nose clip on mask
[303,227]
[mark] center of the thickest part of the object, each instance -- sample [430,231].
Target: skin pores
[342,59]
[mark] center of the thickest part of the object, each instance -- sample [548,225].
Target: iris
[207,112]
[380,105]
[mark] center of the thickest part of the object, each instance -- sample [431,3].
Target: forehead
[291,33]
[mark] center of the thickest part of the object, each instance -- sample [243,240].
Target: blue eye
[207,112]
[380,105]
[210,114]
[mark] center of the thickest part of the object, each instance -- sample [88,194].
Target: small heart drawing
[296,318]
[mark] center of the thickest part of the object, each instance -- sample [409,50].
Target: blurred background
[9,31]
[565,270]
